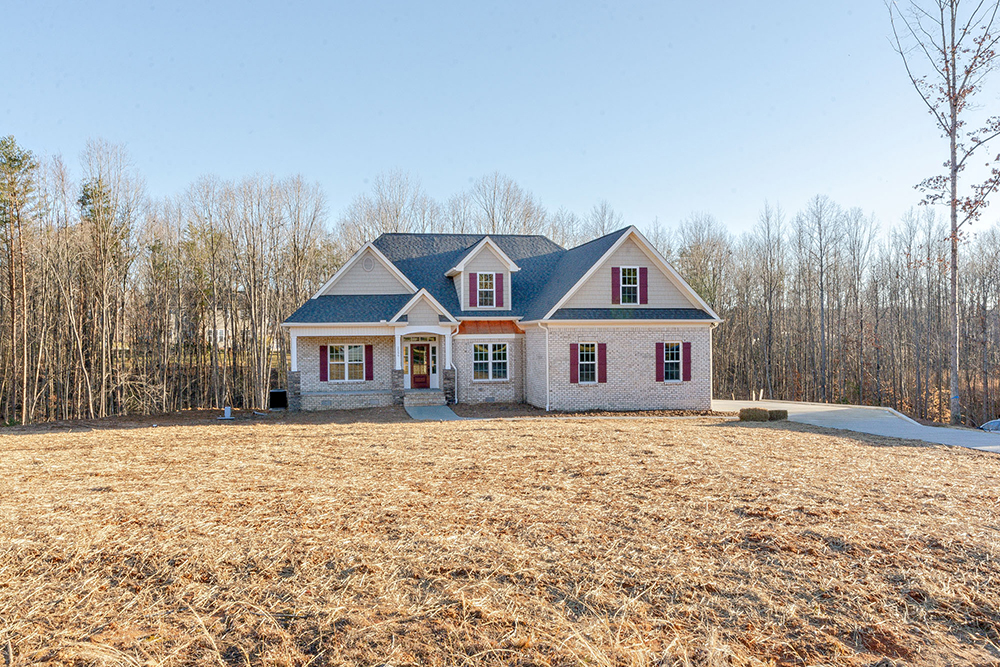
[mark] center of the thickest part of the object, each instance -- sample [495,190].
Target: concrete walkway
[874,420]
[437,413]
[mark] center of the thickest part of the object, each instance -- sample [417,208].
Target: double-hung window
[347,362]
[489,361]
[671,362]
[630,285]
[588,363]
[486,290]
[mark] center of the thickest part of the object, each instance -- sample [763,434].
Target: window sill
[490,381]
[346,381]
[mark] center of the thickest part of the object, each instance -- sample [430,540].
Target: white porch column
[399,349]
[295,350]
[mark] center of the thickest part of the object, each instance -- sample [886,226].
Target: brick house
[472,318]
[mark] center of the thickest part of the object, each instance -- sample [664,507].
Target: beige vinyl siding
[422,314]
[485,261]
[379,280]
[596,292]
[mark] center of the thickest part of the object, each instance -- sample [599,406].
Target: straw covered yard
[523,542]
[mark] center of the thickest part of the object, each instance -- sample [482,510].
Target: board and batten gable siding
[631,369]
[485,261]
[357,280]
[422,314]
[596,292]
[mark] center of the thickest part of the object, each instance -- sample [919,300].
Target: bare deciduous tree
[949,48]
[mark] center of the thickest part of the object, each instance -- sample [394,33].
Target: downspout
[451,358]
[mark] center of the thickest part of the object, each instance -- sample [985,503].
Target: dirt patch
[529,542]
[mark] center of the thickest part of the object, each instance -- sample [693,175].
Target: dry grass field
[529,542]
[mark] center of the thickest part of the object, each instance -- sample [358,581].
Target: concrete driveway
[874,420]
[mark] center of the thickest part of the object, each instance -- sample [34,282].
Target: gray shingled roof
[349,308]
[425,258]
[567,271]
[548,272]
[630,314]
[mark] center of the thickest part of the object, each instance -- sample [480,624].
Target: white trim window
[672,362]
[486,292]
[629,285]
[347,363]
[489,361]
[587,368]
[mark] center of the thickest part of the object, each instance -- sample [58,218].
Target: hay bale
[753,415]
[777,415]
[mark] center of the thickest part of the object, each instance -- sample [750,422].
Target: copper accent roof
[480,327]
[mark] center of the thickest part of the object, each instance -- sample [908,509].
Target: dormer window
[630,285]
[486,290]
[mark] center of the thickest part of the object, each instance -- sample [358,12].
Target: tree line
[116,303]
[826,306]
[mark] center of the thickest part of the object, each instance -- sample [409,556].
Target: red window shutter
[498,290]
[602,362]
[473,290]
[616,284]
[369,362]
[643,285]
[324,361]
[659,362]
[574,363]
[686,360]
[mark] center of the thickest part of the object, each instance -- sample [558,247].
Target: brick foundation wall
[631,381]
[510,390]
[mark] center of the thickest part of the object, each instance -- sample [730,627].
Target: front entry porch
[423,361]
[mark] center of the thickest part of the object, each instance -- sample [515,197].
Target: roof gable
[487,244]
[368,271]
[633,234]
[423,297]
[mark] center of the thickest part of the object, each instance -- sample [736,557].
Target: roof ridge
[476,234]
[601,238]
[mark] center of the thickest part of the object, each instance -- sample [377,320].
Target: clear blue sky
[662,108]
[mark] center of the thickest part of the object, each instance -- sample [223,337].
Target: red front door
[420,374]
